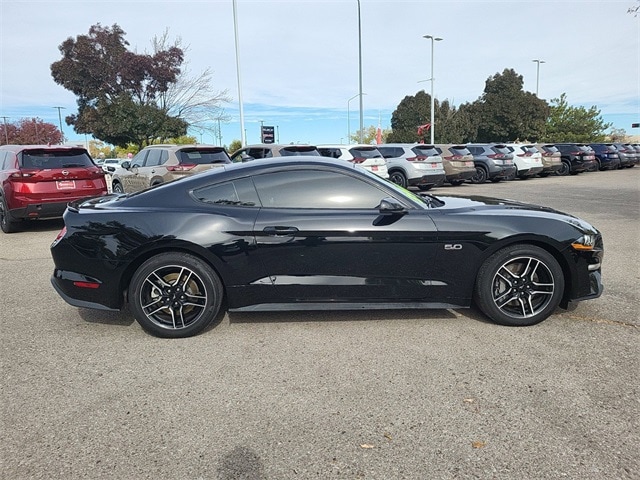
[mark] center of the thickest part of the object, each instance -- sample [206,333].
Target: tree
[369,135]
[505,112]
[574,124]
[118,90]
[30,131]
[234,146]
[191,98]
[452,125]
[617,135]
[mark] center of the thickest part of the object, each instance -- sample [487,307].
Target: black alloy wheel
[6,224]
[564,170]
[398,178]
[117,187]
[519,285]
[480,176]
[175,295]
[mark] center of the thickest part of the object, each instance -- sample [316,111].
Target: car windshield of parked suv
[202,156]
[299,150]
[52,159]
[365,152]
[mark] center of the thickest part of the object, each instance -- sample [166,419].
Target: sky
[299,59]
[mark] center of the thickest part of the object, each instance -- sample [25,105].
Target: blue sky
[299,59]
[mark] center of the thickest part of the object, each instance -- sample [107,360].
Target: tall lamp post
[432,127]
[349,116]
[538,73]
[243,131]
[360,74]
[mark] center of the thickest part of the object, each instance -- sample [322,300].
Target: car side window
[154,157]
[239,193]
[138,160]
[316,189]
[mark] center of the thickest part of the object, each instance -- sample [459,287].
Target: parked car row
[38,181]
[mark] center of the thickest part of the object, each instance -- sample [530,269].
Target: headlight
[584,243]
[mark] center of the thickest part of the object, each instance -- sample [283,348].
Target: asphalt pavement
[425,394]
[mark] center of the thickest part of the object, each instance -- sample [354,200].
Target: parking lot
[357,395]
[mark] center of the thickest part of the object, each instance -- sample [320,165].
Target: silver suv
[157,164]
[493,161]
[365,156]
[413,164]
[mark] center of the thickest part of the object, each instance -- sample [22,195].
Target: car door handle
[277,230]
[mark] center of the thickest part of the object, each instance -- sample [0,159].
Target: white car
[414,164]
[527,158]
[111,162]
[366,156]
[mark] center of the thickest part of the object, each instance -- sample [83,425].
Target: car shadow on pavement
[338,316]
[123,318]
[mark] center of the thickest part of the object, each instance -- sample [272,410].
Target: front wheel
[519,285]
[455,183]
[398,178]
[175,295]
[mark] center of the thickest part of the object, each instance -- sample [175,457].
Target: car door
[131,180]
[321,236]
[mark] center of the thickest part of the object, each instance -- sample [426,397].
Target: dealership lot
[391,394]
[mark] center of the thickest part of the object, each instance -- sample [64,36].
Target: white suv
[527,158]
[366,156]
[413,164]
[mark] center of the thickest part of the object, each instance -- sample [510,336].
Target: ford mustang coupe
[314,233]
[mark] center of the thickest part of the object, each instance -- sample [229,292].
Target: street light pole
[360,74]
[538,73]
[432,126]
[60,120]
[243,131]
[349,118]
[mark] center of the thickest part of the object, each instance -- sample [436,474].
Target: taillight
[183,167]
[525,154]
[86,284]
[358,159]
[496,155]
[417,158]
[61,234]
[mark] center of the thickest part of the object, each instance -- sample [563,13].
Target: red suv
[37,181]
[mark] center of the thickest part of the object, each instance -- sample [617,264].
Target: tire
[399,178]
[520,285]
[480,176]
[116,187]
[6,223]
[496,180]
[455,183]
[564,170]
[424,188]
[175,295]
[543,175]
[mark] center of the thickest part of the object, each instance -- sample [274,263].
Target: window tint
[298,150]
[316,189]
[53,159]
[200,156]
[138,160]
[155,157]
[239,192]
[391,152]
[330,152]
[365,152]
[257,153]
[426,150]
[3,157]
[475,150]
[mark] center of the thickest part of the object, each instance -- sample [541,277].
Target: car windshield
[200,156]
[53,159]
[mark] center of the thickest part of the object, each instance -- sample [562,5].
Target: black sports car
[314,233]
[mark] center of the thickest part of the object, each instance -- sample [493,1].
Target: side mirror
[111,169]
[390,205]
[126,164]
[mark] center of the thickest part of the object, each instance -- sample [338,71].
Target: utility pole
[60,120]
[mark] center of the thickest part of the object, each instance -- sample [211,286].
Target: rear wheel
[117,187]
[424,188]
[398,178]
[175,295]
[6,223]
[455,183]
[519,285]
[565,169]
[480,176]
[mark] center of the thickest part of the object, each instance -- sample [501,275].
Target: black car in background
[311,234]
[493,161]
[606,155]
[576,158]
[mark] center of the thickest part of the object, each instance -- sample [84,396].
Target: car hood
[504,207]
